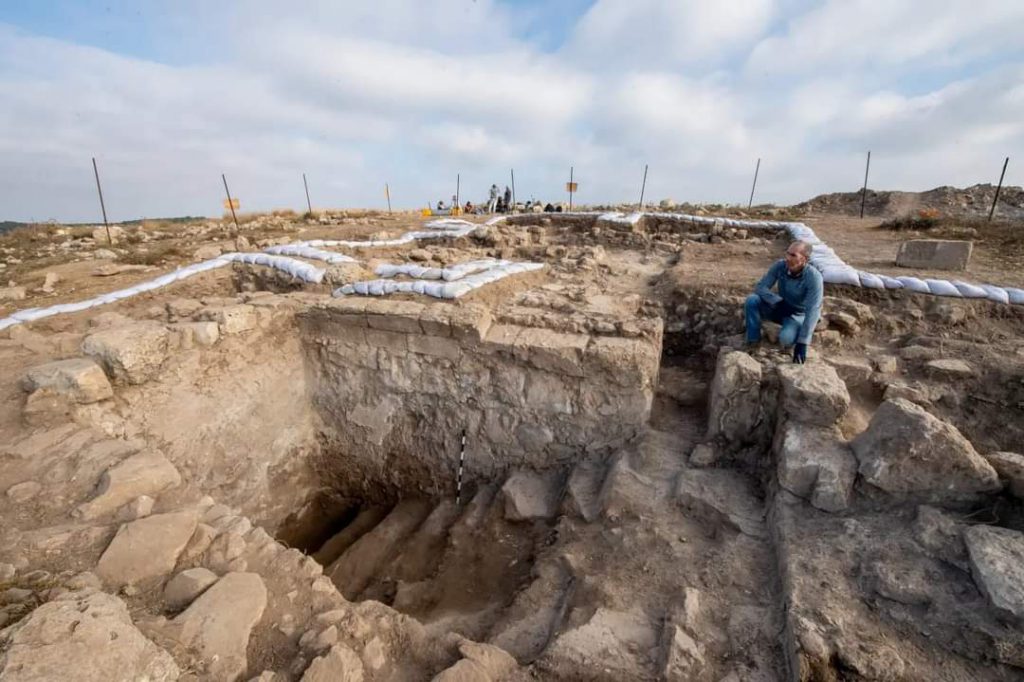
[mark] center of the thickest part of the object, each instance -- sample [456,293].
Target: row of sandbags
[438,289]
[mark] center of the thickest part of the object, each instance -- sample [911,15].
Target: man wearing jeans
[796,306]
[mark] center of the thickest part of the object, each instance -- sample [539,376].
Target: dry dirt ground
[652,561]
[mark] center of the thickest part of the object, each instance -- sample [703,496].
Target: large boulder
[146,473]
[340,664]
[79,380]
[217,625]
[997,564]
[813,393]
[86,636]
[146,548]
[734,406]
[129,354]
[1010,467]
[907,451]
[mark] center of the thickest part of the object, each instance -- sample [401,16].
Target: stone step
[366,520]
[527,627]
[354,569]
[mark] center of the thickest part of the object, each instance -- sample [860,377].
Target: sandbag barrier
[833,269]
[456,288]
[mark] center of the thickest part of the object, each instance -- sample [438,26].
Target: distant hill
[952,201]
[7,225]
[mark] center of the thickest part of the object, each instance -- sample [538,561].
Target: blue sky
[168,95]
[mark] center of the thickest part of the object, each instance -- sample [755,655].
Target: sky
[418,94]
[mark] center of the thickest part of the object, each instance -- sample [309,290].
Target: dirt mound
[970,202]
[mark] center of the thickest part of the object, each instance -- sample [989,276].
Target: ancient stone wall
[397,382]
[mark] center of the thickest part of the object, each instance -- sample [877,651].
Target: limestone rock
[130,354]
[340,664]
[146,548]
[23,492]
[530,496]
[814,463]
[85,636]
[12,293]
[813,394]
[721,496]
[853,371]
[906,450]
[734,407]
[183,588]
[684,657]
[997,564]
[111,234]
[949,369]
[703,455]
[1010,467]
[79,380]
[140,507]
[495,661]
[207,252]
[617,641]
[204,334]
[217,625]
[146,473]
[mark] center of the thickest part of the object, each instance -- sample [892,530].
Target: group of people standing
[499,202]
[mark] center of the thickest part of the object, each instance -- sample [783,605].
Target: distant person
[549,208]
[558,209]
[441,206]
[796,306]
[508,197]
[529,205]
[492,204]
[468,208]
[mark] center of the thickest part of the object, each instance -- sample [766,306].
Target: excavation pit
[630,507]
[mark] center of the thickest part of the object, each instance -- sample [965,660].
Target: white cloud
[415,93]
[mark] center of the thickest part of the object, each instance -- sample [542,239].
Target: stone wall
[396,382]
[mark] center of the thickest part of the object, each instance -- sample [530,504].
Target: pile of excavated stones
[908,475]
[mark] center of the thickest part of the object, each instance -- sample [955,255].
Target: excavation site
[370,446]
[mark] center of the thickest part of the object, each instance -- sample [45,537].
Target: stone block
[814,463]
[435,346]
[853,371]
[1010,467]
[734,405]
[997,564]
[529,496]
[146,473]
[622,362]
[394,316]
[907,451]
[934,254]
[552,351]
[235,319]
[130,354]
[394,342]
[813,393]
[79,380]
[146,548]
[204,334]
[949,369]
[469,323]
[183,588]
[435,320]
[12,293]
[501,338]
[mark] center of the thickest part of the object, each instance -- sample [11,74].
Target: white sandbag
[313,253]
[8,322]
[997,294]
[1015,295]
[969,290]
[891,282]
[914,284]
[870,281]
[840,275]
[941,287]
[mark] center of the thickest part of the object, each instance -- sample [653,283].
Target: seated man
[796,307]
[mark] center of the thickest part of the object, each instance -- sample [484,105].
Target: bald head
[798,255]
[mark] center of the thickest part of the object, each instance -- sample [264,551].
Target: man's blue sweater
[803,291]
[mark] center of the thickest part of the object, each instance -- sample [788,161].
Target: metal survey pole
[104,208]
[757,168]
[387,194]
[570,189]
[231,204]
[458,186]
[864,192]
[998,187]
[513,171]
[306,185]
[643,186]
[462,459]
